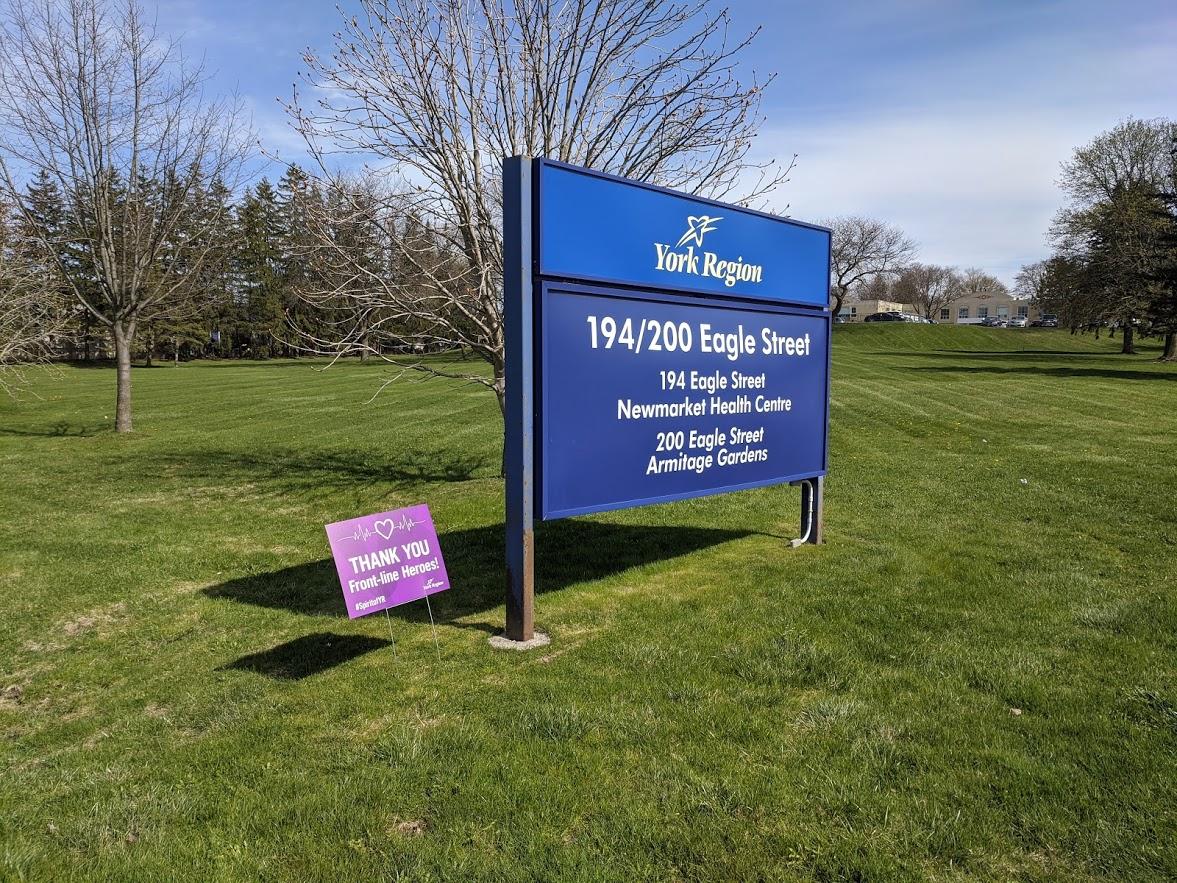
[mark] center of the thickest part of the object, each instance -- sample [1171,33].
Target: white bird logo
[696,227]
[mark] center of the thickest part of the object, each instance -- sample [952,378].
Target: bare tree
[1033,280]
[93,96]
[31,309]
[440,91]
[863,249]
[1134,152]
[977,281]
[929,288]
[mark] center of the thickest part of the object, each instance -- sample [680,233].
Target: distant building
[858,310]
[976,308]
[971,310]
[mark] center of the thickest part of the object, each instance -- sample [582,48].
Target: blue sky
[946,118]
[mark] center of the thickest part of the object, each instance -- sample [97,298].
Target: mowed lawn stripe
[713,705]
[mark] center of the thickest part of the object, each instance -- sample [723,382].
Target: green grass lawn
[976,677]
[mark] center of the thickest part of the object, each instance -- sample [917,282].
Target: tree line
[125,197]
[874,260]
[251,294]
[1114,260]
[129,226]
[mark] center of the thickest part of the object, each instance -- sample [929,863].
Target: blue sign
[598,228]
[657,347]
[652,397]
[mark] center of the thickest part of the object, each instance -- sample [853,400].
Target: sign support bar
[813,500]
[519,459]
[813,493]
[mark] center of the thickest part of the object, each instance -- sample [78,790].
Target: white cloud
[965,154]
[973,190]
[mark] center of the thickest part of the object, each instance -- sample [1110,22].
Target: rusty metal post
[520,397]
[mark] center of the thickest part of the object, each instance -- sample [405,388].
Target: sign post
[520,399]
[658,347]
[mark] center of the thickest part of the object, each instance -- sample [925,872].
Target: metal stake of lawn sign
[388,559]
[390,637]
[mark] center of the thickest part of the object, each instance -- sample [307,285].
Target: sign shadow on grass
[306,656]
[1040,371]
[573,552]
[290,470]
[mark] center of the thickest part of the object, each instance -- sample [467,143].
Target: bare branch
[439,91]
[864,249]
[94,99]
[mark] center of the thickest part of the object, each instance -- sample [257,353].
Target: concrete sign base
[502,642]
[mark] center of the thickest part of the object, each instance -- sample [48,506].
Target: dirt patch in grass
[408,827]
[94,619]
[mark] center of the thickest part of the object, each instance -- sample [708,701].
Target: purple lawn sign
[387,559]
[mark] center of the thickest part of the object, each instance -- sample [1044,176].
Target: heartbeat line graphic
[384,528]
[696,227]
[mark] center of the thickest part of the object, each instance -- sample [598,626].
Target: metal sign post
[520,398]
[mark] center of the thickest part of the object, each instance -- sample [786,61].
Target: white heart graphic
[385,527]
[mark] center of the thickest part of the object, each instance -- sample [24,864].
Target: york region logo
[696,227]
[704,263]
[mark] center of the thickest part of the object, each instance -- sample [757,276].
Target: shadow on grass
[60,429]
[1039,371]
[306,656]
[296,470]
[569,552]
[110,365]
[994,354]
[277,362]
[395,360]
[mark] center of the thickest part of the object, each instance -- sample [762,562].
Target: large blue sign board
[604,229]
[647,398]
[683,345]
[658,347]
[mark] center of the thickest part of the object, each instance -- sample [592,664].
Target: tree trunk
[176,351]
[1170,353]
[1129,333]
[150,347]
[500,381]
[838,296]
[122,350]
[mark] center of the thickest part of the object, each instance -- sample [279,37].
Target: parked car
[1018,322]
[884,317]
[1049,320]
[993,322]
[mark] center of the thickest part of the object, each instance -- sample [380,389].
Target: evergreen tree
[45,211]
[1162,309]
[299,203]
[1110,231]
[258,270]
